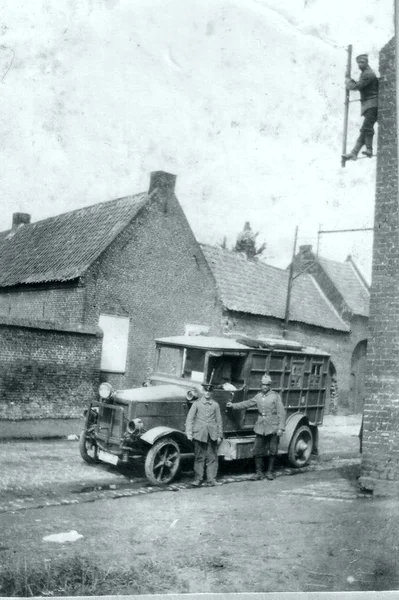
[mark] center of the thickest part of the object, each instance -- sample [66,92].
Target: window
[170,360]
[297,374]
[115,342]
[194,364]
[315,375]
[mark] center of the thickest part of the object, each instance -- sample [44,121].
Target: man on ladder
[368,88]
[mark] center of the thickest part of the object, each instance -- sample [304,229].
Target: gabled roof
[260,289]
[349,283]
[62,248]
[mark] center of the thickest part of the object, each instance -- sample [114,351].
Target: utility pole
[346,114]
[289,287]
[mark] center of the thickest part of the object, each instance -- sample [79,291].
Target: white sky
[242,100]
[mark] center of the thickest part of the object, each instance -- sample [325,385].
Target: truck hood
[153,393]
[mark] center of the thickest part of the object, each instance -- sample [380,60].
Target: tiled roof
[62,248]
[349,283]
[260,289]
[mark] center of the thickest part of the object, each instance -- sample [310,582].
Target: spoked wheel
[88,448]
[301,446]
[162,462]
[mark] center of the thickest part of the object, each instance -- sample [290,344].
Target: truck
[147,423]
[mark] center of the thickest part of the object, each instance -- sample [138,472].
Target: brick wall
[380,459]
[155,273]
[47,371]
[339,344]
[60,302]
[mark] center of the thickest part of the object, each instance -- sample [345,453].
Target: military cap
[207,386]
[362,57]
[266,379]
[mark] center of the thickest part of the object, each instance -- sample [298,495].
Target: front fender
[291,424]
[154,434]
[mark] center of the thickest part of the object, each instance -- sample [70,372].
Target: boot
[259,468]
[269,473]
[369,146]
[368,152]
[350,156]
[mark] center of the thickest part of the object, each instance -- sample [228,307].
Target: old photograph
[199,298]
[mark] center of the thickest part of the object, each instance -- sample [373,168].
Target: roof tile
[260,289]
[349,284]
[61,248]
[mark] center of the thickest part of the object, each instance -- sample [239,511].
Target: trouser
[366,131]
[266,445]
[205,459]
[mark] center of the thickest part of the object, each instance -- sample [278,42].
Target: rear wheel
[88,448]
[162,462]
[301,446]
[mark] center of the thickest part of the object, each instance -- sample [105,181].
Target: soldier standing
[268,428]
[368,88]
[204,427]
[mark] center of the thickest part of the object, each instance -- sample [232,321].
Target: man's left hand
[219,440]
[280,432]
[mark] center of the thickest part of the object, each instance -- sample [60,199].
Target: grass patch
[76,576]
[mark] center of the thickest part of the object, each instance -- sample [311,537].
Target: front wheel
[88,448]
[301,447]
[162,462]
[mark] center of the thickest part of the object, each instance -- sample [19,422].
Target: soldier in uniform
[268,428]
[368,88]
[205,429]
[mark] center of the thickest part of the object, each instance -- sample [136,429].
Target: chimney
[305,249]
[164,183]
[304,259]
[20,219]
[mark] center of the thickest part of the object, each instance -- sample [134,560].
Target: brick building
[380,459]
[131,266]
[253,299]
[348,291]
[84,294]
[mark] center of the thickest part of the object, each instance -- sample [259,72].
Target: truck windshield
[170,361]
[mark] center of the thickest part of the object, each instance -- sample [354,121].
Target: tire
[88,449]
[301,447]
[162,462]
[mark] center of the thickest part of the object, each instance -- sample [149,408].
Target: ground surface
[303,532]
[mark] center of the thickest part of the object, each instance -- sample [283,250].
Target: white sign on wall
[115,342]
[191,329]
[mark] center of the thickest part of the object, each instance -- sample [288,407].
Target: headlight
[191,395]
[135,426]
[105,390]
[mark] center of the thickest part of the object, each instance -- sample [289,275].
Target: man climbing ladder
[368,88]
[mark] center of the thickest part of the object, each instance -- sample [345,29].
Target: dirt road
[310,531]
[40,473]
[307,532]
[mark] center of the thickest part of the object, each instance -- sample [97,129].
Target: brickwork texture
[380,459]
[47,370]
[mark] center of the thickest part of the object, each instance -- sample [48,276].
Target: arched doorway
[358,373]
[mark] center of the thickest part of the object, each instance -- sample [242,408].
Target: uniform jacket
[204,419]
[368,88]
[271,412]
